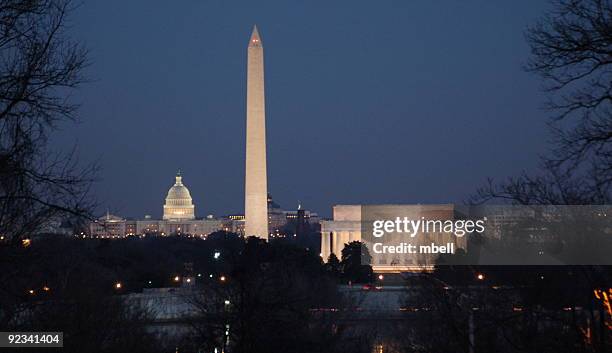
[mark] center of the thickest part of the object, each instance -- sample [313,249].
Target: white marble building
[346,226]
[179,204]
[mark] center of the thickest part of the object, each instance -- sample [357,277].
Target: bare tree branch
[39,66]
[571,49]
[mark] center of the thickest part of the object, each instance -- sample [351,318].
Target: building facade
[346,226]
[108,226]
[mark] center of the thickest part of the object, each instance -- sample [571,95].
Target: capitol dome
[179,205]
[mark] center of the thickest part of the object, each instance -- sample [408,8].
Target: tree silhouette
[40,66]
[571,51]
[333,266]
[354,256]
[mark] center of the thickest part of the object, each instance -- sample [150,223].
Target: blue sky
[367,101]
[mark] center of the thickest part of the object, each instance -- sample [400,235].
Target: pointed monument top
[255,40]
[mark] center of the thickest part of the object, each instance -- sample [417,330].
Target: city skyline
[328,104]
[416,176]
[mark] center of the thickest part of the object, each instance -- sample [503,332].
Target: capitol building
[179,205]
[178,218]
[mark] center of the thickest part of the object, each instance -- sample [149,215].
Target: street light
[177,278]
[222,278]
[480,277]
[118,285]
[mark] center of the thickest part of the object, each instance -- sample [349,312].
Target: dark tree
[354,255]
[265,302]
[333,266]
[571,50]
[39,66]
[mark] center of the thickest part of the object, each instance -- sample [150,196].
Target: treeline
[75,285]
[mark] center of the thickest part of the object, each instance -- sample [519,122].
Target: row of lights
[119,285]
[481,277]
[222,278]
[140,236]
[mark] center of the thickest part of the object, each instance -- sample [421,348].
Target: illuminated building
[346,227]
[178,219]
[108,226]
[179,205]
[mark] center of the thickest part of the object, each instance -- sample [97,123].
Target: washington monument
[256,180]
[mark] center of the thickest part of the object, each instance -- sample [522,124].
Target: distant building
[60,226]
[279,218]
[108,226]
[178,218]
[309,216]
[234,223]
[276,217]
[501,220]
[301,227]
[346,227]
[179,205]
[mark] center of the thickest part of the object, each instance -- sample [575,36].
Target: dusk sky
[367,101]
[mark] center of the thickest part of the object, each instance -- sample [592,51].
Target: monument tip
[255,40]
